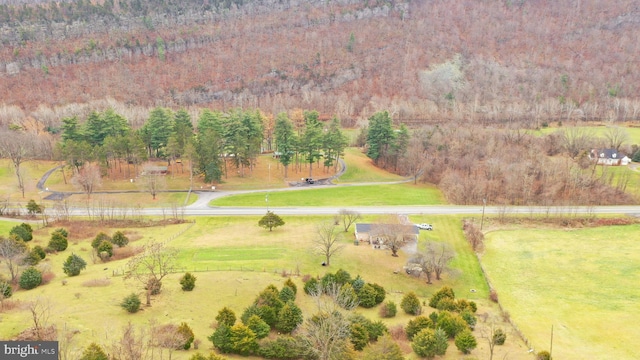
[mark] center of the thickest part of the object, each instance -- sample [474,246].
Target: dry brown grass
[97,282]
[9,304]
[126,252]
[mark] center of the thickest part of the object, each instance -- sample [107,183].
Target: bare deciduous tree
[15,146]
[348,217]
[392,232]
[576,139]
[12,252]
[87,179]
[327,241]
[433,260]
[40,310]
[152,181]
[616,136]
[151,266]
[131,345]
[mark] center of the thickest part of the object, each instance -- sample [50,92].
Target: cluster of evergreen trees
[236,137]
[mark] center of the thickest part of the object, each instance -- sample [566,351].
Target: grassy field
[366,195]
[582,282]
[361,169]
[633,132]
[233,259]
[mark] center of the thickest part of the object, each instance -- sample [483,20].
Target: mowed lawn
[582,282]
[365,195]
[233,259]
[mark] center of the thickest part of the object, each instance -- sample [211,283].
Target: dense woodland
[424,61]
[441,90]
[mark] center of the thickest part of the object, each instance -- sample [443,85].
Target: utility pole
[484,204]
[266,199]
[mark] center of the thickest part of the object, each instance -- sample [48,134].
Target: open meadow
[583,282]
[233,259]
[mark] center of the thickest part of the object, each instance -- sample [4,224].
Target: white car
[425,226]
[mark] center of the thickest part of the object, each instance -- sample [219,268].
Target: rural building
[609,157]
[375,234]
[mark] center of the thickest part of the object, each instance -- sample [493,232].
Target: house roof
[407,229]
[608,154]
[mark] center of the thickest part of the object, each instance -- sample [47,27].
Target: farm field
[234,259]
[583,282]
[632,131]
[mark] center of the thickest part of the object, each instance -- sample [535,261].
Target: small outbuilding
[376,233]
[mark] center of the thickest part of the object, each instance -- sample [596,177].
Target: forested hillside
[423,61]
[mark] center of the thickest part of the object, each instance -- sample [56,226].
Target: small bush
[188,282]
[94,352]
[427,344]
[292,285]
[99,239]
[493,296]
[417,324]
[32,258]
[499,337]
[30,278]
[22,232]
[311,286]
[388,310]
[62,231]
[444,292]
[283,348]
[359,336]
[185,331]
[73,265]
[465,341]
[258,326]
[5,289]
[367,296]
[131,303]
[58,242]
[411,304]
[469,318]
[47,276]
[289,318]
[287,294]
[105,250]
[40,251]
[543,355]
[342,277]
[120,239]
[451,323]
[226,317]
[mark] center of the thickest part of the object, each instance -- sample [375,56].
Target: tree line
[219,141]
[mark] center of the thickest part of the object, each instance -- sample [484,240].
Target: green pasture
[233,259]
[633,132]
[361,169]
[583,282]
[621,176]
[365,195]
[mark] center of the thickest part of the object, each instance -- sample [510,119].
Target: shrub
[447,304]
[94,352]
[416,325]
[242,340]
[374,329]
[105,250]
[367,296]
[469,318]
[289,318]
[357,283]
[58,242]
[410,304]
[131,303]
[32,258]
[451,323]
[427,344]
[211,356]
[292,285]
[347,295]
[30,278]
[543,355]
[120,239]
[5,289]
[188,282]
[380,293]
[258,326]
[383,349]
[388,310]
[328,280]
[466,305]
[284,348]
[221,338]
[22,232]
[359,336]
[444,292]
[40,251]
[73,265]
[226,317]
[62,231]
[493,295]
[499,337]
[465,341]
[187,334]
[101,237]
[342,277]
[287,294]
[311,286]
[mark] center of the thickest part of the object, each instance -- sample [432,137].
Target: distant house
[609,157]
[376,234]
